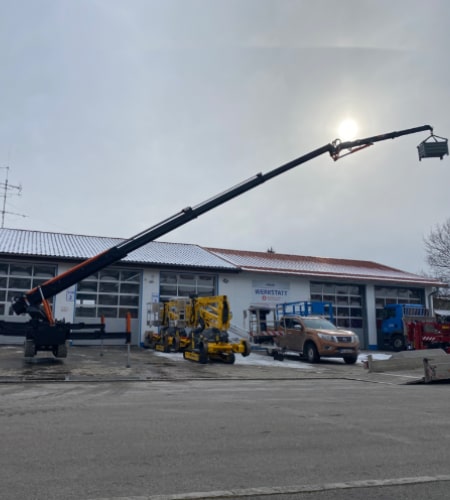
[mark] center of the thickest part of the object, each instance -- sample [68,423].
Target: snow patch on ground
[262,359]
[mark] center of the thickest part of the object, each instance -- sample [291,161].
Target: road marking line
[262,491]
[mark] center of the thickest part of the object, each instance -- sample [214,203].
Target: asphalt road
[186,432]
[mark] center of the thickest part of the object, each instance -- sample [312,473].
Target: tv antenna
[6,188]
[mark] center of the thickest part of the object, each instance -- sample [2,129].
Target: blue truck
[393,331]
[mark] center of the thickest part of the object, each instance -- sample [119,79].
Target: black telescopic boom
[382,137]
[90,266]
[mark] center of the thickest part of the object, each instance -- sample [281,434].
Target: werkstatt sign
[269,292]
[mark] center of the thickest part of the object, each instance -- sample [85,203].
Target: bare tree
[437,248]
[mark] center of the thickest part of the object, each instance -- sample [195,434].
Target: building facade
[159,271]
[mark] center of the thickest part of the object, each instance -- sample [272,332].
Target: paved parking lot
[89,363]
[109,425]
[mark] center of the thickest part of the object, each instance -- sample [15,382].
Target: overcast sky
[116,114]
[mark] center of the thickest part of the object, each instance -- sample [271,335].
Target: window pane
[109,275]
[87,286]
[86,299]
[188,279]
[45,272]
[4,268]
[86,312]
[123,312]
[131,276]
[108,287]
[129,288]
[168,278]
[205,280]
[108,300]
[168,290]
[186,291]
[21,269]
[38,282]
[107,312]
[21,283]
[129,300]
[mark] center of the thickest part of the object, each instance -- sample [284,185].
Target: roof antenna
[7,187]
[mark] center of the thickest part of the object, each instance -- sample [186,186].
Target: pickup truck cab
[314,337]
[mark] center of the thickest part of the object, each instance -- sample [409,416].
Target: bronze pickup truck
[314,337]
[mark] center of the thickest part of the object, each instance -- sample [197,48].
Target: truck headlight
[328,338]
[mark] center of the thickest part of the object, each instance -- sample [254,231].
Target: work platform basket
[433,147]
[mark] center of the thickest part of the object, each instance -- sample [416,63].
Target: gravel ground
[89,363]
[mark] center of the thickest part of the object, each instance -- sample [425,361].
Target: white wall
[64,302]
[246,289]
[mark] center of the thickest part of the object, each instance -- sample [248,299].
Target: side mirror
[298,327]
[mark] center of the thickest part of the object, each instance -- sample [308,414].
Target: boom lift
[171,319]
[198,328]
[43,333]
[209,340]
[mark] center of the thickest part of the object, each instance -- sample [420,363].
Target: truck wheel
[60,351]
[350,360]
[278,356]
[311,353]
[398,343]
[29,349]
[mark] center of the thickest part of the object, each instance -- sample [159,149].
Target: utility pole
[7,187]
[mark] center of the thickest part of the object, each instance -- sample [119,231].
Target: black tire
[229,359]
[278,356]
[398,343]
[61,351]
[247,348]
[29,348]
[350,360]
[311,353]
[203,350]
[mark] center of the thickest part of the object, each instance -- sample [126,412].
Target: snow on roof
[72,246]
[319,267]
[21,242]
